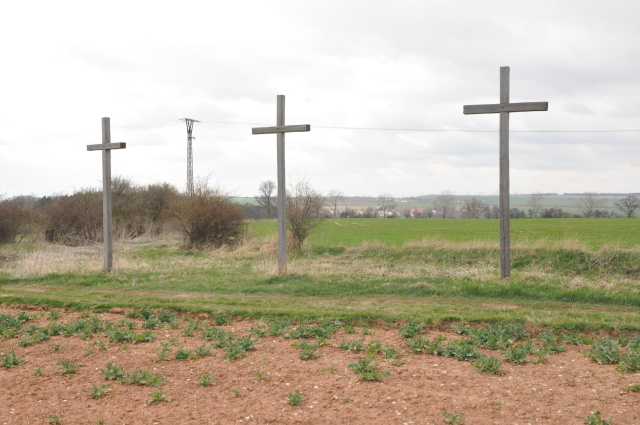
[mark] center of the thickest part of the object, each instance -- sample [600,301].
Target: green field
[573,273]
[592,233]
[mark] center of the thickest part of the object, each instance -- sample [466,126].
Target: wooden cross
[504,108]
[280,129]
[106,147]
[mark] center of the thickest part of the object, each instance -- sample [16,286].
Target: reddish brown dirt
[562,391]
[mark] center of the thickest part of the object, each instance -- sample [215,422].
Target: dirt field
[564,390]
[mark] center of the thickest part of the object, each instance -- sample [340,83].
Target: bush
[13,218]
[76,219]
[304,205]
[208,217]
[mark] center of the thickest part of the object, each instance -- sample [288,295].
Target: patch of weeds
[67,367]
[452,418]
[411,329]
[158,397]
[463,349]
[144,377]
[37,371]
[308,350]
[236,393]
[120,335]
[488,364]
[354,345]
[152,323]
[192,327]
[629,363]
[604,351]
[203,350]
[205,379]
[258,331]
[221,319]
[552,342]
[278,326]
[183,353]
[634,388]
[346,400]
[373,348]
[100,421]
[54,314]
[144,336]
[166,316]
[88,351]
[498,336]
[517,354]
[238,347]
[367,371]
[57,347]
[96,392]
[10,360]
[163,352]
[54,419]
[113,372]
[295,399]
[259,375]
[390,353]
[332,369]
[33,339]
[348,329]
[597,419]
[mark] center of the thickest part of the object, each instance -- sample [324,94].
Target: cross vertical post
[505,205]
[106,147]
[282,191]
[504,108]
[280,129]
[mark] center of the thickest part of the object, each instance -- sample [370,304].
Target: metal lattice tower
[190,137]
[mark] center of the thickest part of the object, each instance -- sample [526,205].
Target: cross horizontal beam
[105,146]
[281,129]
[505,107]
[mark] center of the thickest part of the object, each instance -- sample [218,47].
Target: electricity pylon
[190,137]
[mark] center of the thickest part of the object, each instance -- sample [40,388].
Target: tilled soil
[564,390]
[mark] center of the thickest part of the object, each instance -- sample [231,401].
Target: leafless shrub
[208,217]
[74,220]
[13,220]
[157,199]
[304,205]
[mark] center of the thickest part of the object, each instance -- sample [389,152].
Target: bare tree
[333,199]
[304,204]
[444,204]
[386,203]
[628,205]
[265,198]
[589,203]
[473,208]
[536,204]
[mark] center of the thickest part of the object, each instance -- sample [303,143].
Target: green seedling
[67,367]
[158,397]
[367,371]
[10,360]
[295,399]
[597,419]
[205,379]
[96,392]
[452,418]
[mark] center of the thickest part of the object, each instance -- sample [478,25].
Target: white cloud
[341,64]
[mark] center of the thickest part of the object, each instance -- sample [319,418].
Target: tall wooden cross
[504,108]
[106,147]
[280,129]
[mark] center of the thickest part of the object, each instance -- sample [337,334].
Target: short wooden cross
[504,108]
[106,147]
[280,129]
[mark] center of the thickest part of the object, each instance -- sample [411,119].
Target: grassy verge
[560,282]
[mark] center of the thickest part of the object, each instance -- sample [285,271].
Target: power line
[148,126]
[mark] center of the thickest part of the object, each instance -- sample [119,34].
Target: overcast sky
[343,66]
